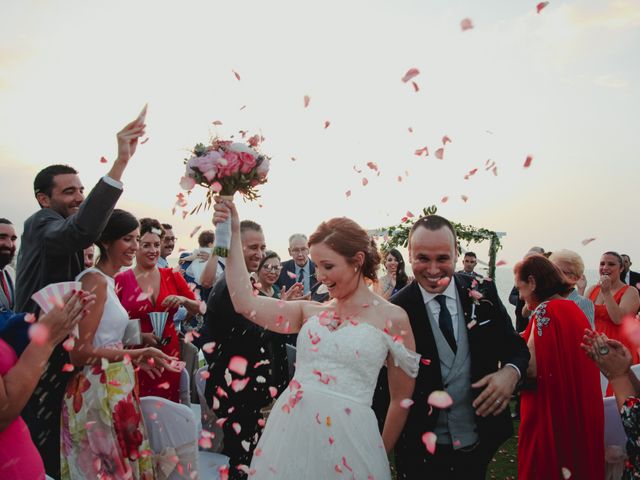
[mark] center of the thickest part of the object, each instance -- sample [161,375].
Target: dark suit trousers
[448,464]
[42,412]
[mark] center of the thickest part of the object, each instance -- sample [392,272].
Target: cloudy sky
[560,86]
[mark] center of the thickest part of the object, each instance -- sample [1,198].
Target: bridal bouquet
[225,167]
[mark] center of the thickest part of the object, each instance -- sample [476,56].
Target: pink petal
[293,159]
[69,343]
[500,263]
[164,385]
[67,367]
[406,403]
[422,151]
[205,374]
[292,275]
[239,385]
[466,24]
[411,73]
[194,231]
[372,166]
[29,318]
[416,88]
[236,427]
[208,347]
[39,333]
[364,182]
[440,153]
[527,162]
[144,140]
[410,130]
[445,140]
[409,214]
[443,282]
[273,391]
[238,365]
[306,101]
[425,361]
[440,399]
[429,440]
[326,124]
[444,199]
[587,241]
[347,193]
[539,8]
[464,198]
[236,74]
[103,160]
[217,122]
[566,473]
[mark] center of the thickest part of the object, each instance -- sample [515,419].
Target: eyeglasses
[272,268]
[298,251]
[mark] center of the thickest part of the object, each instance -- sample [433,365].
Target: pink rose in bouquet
[230,164]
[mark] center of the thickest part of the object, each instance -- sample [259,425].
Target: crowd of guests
[70,397]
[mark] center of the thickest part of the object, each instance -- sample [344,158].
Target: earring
[355,269]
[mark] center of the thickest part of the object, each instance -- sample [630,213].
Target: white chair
[207,417]
[615,440]
[174,440]
[185,388]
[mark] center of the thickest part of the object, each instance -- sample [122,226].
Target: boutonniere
[477,295]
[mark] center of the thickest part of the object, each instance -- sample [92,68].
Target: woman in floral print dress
[102,434]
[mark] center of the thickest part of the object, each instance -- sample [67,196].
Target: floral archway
[398,236]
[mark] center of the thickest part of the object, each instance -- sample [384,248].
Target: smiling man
[474,355]
[52,250]
[8,239]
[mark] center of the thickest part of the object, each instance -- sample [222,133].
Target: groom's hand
[498,388]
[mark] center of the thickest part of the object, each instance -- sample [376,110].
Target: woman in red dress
[614,301]
[562,428]
[147,288]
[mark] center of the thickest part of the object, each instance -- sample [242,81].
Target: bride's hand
[224,209]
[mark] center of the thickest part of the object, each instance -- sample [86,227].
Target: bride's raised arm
[271,313]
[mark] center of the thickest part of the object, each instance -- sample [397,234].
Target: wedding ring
[603,350]
[498,402]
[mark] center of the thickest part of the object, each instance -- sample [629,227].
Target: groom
[469,349]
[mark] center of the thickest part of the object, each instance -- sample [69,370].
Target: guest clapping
[614,361]
[564,413]
[19,458]
[613,301]
[395,278]
[268,274]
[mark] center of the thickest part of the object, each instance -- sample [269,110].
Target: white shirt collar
[450,292]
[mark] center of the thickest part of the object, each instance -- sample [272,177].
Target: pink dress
[19,458]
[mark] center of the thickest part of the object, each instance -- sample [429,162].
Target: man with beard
[52,250]
[8,239]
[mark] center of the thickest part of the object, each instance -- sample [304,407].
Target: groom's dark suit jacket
[492,342]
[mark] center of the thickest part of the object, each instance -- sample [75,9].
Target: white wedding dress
[322,426]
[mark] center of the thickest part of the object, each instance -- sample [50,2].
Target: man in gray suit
[51,251]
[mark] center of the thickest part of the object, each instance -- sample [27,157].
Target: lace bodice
[114,319]
[347,361]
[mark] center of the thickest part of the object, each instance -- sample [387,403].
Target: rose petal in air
[445,140]
[69,343]
[440,153]
[422,151]
[444,281]
[67,367]
[464,198]
[440,399]
[444,199]
[238,365]
[500,263]
[416,88]
[566,473]
[539,8]
[208,347]
[239,385]
[587,241]
[411,73]
[406,403]
[103,160]
[372,166]
[306,101]
[236,74]
[326,124]
[39,333]
[217,122]
[364,182]
[466,24]
[347,193]
[292,275]
[429,440]
[164,385]
[194,231]
[527,162]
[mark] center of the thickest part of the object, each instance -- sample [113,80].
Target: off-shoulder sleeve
[407,360]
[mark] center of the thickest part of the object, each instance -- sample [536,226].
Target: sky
[559,85]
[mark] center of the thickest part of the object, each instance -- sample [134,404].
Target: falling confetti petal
[144,140]
[238,365]
[443,282]
[411,73]
[194,231]
[444,199]
[306,101]
[103,160]
[527,162]
[69,343]
[164,385]
[422,151]
[440,153]
[38,333]
[372,166]
[237,75]
[326,124]
[440,399]
[406,403]
[464,198]
[466,24]
[347,193]
[217,122]
[429,440]
[416,88]
[566,473]
[208,347]
[364,182]
[425,361]
[500,263]
[239,385]
[587,241]
[410,130]
[445,140]
[67,367]
[539,8]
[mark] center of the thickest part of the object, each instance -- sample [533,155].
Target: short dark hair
[549,279]
[249,225]
[268,255]
[166,226]
[4,221]
[119,224]
[43,183]
[470,254]
[434,223]
[205,238]
[151,225]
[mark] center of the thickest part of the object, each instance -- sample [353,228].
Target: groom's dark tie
[445,322]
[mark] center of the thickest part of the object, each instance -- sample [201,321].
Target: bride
[323,424]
